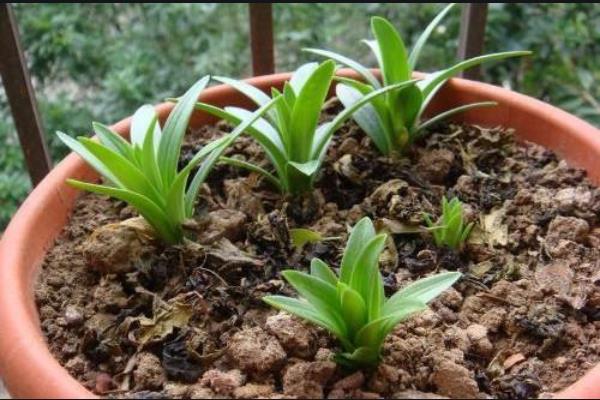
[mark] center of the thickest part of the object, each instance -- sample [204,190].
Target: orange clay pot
[26,365]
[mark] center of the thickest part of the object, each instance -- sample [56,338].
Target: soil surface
[130,317]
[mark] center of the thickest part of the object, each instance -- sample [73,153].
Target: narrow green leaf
[374,47]
[423,290]
[332,126]
[256,95]
[149,160]
[441,116]
[320,294]
[307,168]
[434,79]
[418,47]
[395,67]
[175,198]
[301,75]
[361,357]
[301,236]
[306,311]
[90,158]
[361,69]
[361,234]
[266,138]
[148,209]
[289,95]
[354,309]
[307,109]
[282,114]
[217,152]
[321,270]
[143,119]
[253,168]
[367,266]
[174,130]
[113,140]
[366,117]
[373,334]
[129,175]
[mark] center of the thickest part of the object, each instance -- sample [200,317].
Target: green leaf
[320,294]
[374,47]
[441,116]
[268,139]
[300,237]
[354,309]
[143,119]
[90,158]
[307,109]
[321,270]
[149,160]
[367,267]
[361,234]
[395,67]
[176,207]
[373,334]
[307,168]
[362,70]
[362,357]
[418,47]
[366,117]
[332,126]
[129,175]
[256,95]
[423,290]
[289,95]
[148,209]
[283,113]
[409,103]
[433,80]
[253,168]
[217,151]
[301,75]
[306,311]
[174,130]
[113,140]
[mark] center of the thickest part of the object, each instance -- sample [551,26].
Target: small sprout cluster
[144,172]
[393,121]
[450,229]
[290,134]
[352,305]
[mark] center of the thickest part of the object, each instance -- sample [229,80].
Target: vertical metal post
[261,38]
[472,35]
[17,83]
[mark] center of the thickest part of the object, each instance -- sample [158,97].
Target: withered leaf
[176,313]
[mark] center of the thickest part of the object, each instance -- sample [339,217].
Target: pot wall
[26,365]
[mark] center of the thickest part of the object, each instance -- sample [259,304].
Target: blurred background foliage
[99,62]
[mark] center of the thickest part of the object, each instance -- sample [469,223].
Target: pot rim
[26,364]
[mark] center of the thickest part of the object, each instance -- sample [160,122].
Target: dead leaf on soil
[492,230]
[227,255]
[175,313]
[395,227]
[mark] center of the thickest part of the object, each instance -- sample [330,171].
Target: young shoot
[450,229]
[144,173]
[290,133]
[394,121]
[352,305]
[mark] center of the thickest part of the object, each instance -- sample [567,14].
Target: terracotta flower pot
[26,365]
